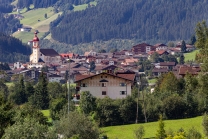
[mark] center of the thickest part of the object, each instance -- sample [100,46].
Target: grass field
[46,113]
[83,6]
[126,131]
[26,36]
[191,55]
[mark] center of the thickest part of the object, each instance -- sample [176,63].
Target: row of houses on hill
[113,75]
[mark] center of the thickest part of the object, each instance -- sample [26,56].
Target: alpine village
[103,69]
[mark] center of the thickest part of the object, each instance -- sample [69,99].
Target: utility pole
[69,87]
[137,111]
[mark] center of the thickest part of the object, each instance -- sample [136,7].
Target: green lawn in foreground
[126,131]
[191,55]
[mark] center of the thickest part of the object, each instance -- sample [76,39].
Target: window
[84,85]
[122,92]
[122,84]
[104,93]
[103,84]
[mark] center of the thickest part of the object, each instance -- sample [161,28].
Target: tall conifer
[41,97]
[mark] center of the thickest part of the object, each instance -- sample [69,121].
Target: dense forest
[48,3]
[12,49]
[142,20]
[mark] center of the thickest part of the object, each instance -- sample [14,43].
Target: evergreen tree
[181,59]
[92,66]
[183,47]
[41,97]
[161,131]
[29,90]
[202,45]
[193,40]
[139,133]
[19,95]
[46,16]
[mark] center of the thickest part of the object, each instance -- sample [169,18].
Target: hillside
[12,49]
[143,20]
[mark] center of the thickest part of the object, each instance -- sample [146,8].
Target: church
[42,57]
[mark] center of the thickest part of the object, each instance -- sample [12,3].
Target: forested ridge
[48,3]
[12,49]
[141,19]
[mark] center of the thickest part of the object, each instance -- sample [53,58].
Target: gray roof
[49,52]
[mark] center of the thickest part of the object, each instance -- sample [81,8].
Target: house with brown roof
[158,71]
[106,84]
[160,46]
[142,48]
[184,69]
[107,68]
[129,61]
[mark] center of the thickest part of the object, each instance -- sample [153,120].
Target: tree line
[12,49]
[49,3]
[131,19]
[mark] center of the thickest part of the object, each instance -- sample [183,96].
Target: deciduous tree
[87,102]
[77,124]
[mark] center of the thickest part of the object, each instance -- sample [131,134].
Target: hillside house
[106,84]
[142,48]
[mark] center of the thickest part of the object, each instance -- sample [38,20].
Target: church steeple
[36,49]
[35,40]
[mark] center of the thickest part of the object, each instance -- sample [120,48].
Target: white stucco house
[106,84]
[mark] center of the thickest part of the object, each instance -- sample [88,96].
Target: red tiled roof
[70,55]
[184,69]
[160,52]
[167,63]
[123,76]
[127,76]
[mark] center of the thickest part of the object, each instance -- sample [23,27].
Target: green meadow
[26,36]
[191,55]
[83,6]
[127,131]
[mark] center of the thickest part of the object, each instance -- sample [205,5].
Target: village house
[106,84]
[160,46]
[142,48]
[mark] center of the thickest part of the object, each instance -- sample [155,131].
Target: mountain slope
[141,19]
[12,49]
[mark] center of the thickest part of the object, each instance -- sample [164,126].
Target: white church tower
[35,49]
